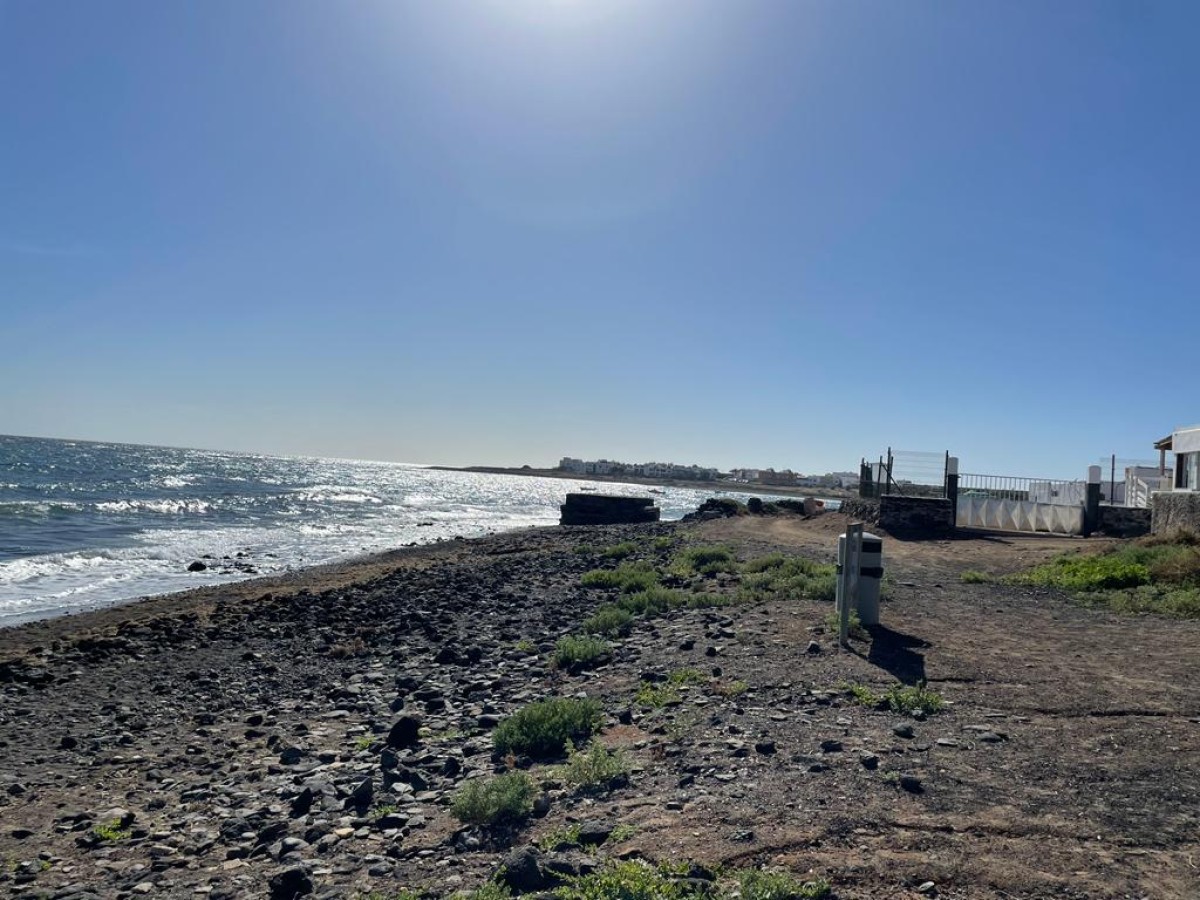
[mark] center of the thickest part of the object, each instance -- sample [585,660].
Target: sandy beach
[238,741]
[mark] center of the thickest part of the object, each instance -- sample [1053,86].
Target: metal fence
[1053,491]
[911,473]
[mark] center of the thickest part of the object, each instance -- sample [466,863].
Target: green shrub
[595,766]
[542,729]
[629,577]
[656,696]
[630,880]
[666,542]
[686,676]
[568,835]
[610,620]
[619,551]
[973,577]
[651,601]
[862,694]
[110,831]
[761,884]
[1086,573]
[576,650]
[704,560]
[507,797]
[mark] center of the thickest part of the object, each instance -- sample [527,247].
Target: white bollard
[870,574]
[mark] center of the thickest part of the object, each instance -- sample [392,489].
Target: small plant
[862,694]
[629,880]
[656,696]
[575,651]
[972,576]
[612,621]
[402,894]
[568,836]
[854,630]
[383,809]
[704,560]
[584,550]
[542,729]
[629,577]
[651,601]
[621,833]
[686,676]
[912,698]
[490,890]
[734,688]
[619,551]
[364,742]
[762,884]
[595,766]
[525,646]
[507,797]
[1086,573]
[110,831]
[666,542]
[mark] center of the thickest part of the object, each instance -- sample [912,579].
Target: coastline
[241,736]
[722,486]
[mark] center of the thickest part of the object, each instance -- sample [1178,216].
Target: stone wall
[860,509]
[1175,509]
[1124,521]
[917,517]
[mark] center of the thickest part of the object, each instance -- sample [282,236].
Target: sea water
[87,524]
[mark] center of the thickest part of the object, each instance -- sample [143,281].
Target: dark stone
[290,883]
[302,804]
[903,730]
[68,742]
[197,566]
[766,748]
[290,756]
[593,833]
[521,871]
[405,733]
[831,746]
[912,784]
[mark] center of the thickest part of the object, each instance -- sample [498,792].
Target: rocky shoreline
[309,740]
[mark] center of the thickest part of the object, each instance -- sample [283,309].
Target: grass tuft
[629,577]
[579,651]
[595,767]
[612,621]
[542,729]
[507,797]
[763,884]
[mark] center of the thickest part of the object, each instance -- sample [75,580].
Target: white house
[1185,444]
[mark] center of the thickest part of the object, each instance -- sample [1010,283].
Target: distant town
[771,477]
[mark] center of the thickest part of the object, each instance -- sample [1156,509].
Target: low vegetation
[780,577]
[971,576]
[612,621]
[901,698]
[854,628]
[1156,574]
[580,651]
[764,884]
[505,798]
[110,831]
[628,577]
[639,880]
[619,551]
[595,767]
[542,729]
[703,560]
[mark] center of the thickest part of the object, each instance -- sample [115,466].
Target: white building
[1185,444]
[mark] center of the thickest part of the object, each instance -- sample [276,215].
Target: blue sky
[762,233]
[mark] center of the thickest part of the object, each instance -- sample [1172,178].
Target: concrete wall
[1179,509]
[916,516]
[1124,521]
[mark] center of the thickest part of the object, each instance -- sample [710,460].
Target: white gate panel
[1018,515]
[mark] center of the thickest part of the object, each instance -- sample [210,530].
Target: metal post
[854,537]
[1112,482]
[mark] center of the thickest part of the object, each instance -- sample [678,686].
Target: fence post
[1091,509]
[866,481]
[952,484]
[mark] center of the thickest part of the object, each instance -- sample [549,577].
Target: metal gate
[1007,503]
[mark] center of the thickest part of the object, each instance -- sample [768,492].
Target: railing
[912,473]
[1011,487]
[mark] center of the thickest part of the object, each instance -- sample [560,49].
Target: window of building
[1187,471]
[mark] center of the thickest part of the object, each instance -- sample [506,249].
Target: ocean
[85,524]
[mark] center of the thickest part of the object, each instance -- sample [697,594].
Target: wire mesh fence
[912,473]
[1055,492]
